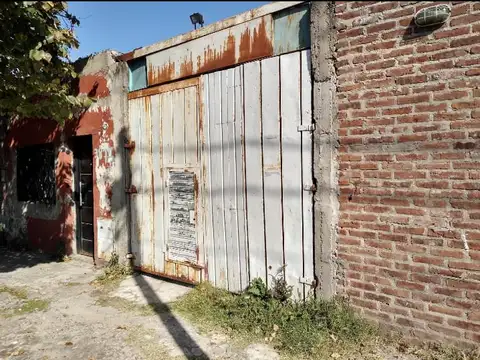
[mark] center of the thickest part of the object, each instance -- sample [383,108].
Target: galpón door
[166,217]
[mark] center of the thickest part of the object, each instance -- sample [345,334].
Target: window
[36,173]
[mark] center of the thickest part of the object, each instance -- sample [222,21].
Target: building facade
[334,143]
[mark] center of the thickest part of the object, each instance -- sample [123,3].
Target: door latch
[307,281]
[310,187]
[308,127]
[80,202]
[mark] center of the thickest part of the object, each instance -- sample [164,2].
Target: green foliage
[27,305]
[280,290]
[311,329]
[36,74]
[114,272]
[19,293]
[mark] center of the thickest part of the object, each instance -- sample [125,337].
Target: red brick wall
[409,114]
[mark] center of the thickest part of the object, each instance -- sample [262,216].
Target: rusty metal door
[258,156]
[166,217]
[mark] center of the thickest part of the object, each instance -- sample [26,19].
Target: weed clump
[312,328]
[114,271]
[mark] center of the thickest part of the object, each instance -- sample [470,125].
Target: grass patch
[27,307]
[113,273]
[31,306]
[312,329]
[19,293]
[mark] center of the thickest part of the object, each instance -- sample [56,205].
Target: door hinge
[131,190]
[129,145]
[307,281]
[310,187]
[309,127]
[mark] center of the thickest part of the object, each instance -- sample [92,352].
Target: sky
[126,25]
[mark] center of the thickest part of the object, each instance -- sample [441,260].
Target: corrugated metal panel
[241,43]
[254,169]
[272,165]
[265,173]
[251,209]
[291,29]
[290,113]
[209,29]
[165,171]
[137,74]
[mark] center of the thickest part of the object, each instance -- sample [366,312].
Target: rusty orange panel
[163,88]
[182,271]
[238,44]
[192,281]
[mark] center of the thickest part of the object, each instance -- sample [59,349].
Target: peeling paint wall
[50,227]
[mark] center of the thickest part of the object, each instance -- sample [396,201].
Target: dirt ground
[50,310]
[76,320]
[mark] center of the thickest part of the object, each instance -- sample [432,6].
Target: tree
[36,74]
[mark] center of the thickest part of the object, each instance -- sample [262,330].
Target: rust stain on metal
[186,68]
[160,75]
[130,146]
[165,275]
[256,46]
[131,190]
[290,18]
[195,188]
[159,89]
[197,252]
[170,268]
[127,56]
[153,192]
[213,59]
[146,105]
[200,111]
[183,273]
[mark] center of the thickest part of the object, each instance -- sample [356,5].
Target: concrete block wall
[409,159]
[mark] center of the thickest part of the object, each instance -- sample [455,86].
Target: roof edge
[209,29]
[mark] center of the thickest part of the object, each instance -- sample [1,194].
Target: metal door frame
[170,269]
[75,141]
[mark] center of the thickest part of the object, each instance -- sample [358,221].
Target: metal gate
[223,168]
[258,156]
[166,238]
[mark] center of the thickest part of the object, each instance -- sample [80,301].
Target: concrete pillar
[323,35]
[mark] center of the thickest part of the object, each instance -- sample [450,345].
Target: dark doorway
[83,187]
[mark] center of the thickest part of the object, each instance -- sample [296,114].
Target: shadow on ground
[12,260]
[189,346]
